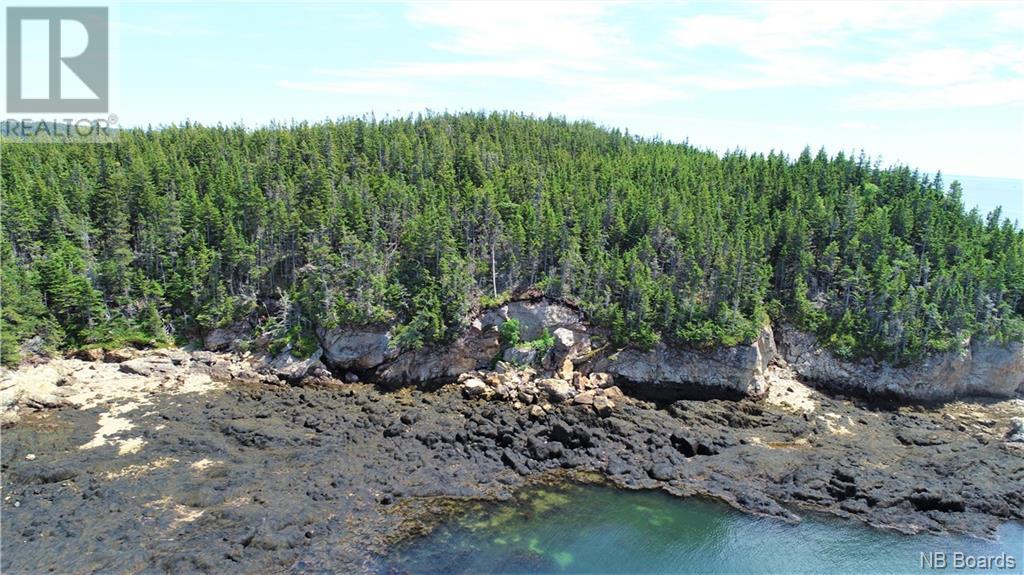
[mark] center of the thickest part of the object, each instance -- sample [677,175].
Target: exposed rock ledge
[664,371]
[982,368]
[672,373]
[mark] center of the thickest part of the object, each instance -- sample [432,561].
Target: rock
[354,348]
[119,355]
[203,357]
[471,351]
[614,393]
[980,368]
[227,338]
[585,398]
[1016,433]
[473,388]
[570,344]
[149,366]
[247,376]
[503,391]
[556,390]
[564,339]
[683,444]
[617,467]
[534,317]
[515,461]
[675,373]
[221,370]
[603,406]
[601,380]
[93,354]
[30,457]
[566,369]
[176,356]
[351,377]
[520,355]
[580,381]
[537,412]
[288,367]
[662,472]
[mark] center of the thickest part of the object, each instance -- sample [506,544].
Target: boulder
[364,348]
[603,406]
[291,368]
[676,373]
[1016,434]
[980,368]
[149,366]
[227,338]
[662,471]
[475,388]
[534,316]
[614,393]
[473,350]
[565,371]
[93,354]
[570,344]
[601,380]
[556,390]
[580,381]
[520,355]
[119,355]
[585,398]
[176,356]
[247,376]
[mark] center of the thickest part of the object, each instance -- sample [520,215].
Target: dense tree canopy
[170,232]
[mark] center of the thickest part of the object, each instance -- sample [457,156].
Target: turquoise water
[587,529]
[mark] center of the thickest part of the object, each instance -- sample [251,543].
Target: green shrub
[509,332]
[542,344]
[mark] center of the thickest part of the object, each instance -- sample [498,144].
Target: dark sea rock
[261,478]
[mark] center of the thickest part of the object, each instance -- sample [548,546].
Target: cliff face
[669,372]
[372,350]
[981,368]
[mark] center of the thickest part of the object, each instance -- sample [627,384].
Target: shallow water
[588,529]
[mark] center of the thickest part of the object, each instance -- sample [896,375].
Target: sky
[933,85]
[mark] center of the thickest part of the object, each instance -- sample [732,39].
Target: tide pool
[589,529]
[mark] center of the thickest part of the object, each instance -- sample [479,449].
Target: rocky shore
[176,461]
[226,460]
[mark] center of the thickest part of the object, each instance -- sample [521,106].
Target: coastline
[226,469]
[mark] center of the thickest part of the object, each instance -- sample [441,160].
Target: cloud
[870,45]
[938,67]
[574,55]
[351,87]
[577,34]
[771,28]
[856,125]
[517,68]
[969,95]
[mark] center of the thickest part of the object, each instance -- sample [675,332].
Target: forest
[415,222]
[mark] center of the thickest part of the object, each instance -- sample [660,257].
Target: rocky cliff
[981,368]
[671,372]
[664,371]
[667,372]
[371,351]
